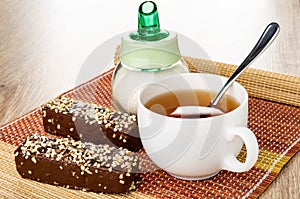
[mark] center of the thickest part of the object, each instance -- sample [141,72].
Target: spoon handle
[264,41]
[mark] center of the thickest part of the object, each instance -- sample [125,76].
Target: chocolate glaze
[82,121]
[70,167]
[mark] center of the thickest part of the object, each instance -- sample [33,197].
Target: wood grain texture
[43,44]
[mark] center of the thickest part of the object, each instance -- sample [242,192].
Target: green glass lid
[149,48]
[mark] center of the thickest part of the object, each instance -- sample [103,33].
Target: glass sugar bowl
[147,55]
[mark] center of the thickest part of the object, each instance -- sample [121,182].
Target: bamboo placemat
[276,125]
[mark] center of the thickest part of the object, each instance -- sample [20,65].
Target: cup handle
[231,163]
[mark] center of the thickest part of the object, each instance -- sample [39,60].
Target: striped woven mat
[274,117]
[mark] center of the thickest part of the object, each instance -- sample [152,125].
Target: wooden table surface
[43,44]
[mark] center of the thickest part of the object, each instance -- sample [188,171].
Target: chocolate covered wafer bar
[91,123]
[73,164]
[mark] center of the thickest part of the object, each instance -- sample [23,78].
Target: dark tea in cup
[166,103]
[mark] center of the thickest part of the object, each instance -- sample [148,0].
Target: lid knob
[148,24]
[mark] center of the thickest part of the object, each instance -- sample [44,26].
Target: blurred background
[67,31]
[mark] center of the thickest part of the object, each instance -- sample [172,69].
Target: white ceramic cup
[196,148]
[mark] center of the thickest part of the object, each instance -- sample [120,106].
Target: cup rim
[240,87]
